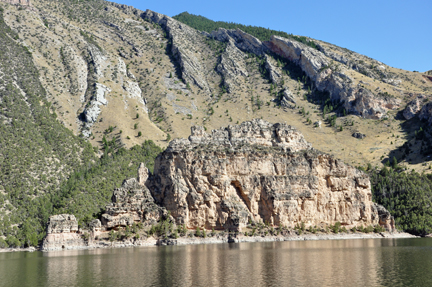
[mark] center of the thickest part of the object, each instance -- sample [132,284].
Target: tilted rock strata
[360,63]
[77,72]
[183,38]
[287,99]
[317,67]
[242,40]
[243,174]
[232,67]
[331,79]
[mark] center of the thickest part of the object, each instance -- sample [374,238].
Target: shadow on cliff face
[418,142]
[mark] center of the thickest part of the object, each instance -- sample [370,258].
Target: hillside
[97,59]
[90,89]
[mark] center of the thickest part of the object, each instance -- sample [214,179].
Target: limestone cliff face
[252,172]
[259,172]
[62,233]
[334,80]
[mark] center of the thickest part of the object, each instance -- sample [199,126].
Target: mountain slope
[98,59]
[81,83]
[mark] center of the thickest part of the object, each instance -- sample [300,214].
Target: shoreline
[218,239]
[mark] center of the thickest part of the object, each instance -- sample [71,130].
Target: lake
[362,262]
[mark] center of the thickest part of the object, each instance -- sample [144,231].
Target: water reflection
[374,262]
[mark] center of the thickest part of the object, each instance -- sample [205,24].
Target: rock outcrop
[183,38]
[77,71]
[413,107]
[242,40]
[98,60]
[62,233]
[326,76]
[93,110]
[287,99]
[319,69]
[360,63]
[358,135]
[259,172]
[426,113]
[132,203]
[385,218]
[255,172]
[232,67]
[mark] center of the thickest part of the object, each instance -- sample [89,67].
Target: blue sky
[398,33]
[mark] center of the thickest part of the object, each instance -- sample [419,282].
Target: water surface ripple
[364,262]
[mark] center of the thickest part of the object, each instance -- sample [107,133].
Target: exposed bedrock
[133,203]
[259,172]
[183,39]
[62,233]
[252,172]
[333,79]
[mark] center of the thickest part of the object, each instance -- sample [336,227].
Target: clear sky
[397,33]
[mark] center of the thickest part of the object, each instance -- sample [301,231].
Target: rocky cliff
[62,233]
[333,79]
[255,172]
[133,203]
[260,172]
[183,39]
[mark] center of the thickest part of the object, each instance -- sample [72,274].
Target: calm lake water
[368,262]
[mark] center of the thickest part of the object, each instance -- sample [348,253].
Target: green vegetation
[407,196]
[203,24]
[37,151]
[45,168]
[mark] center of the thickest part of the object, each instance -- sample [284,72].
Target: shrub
[379,228]
[336,227]
[369,229]
[3,243]
[113,236]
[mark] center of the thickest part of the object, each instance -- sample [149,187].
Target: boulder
[358,135]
